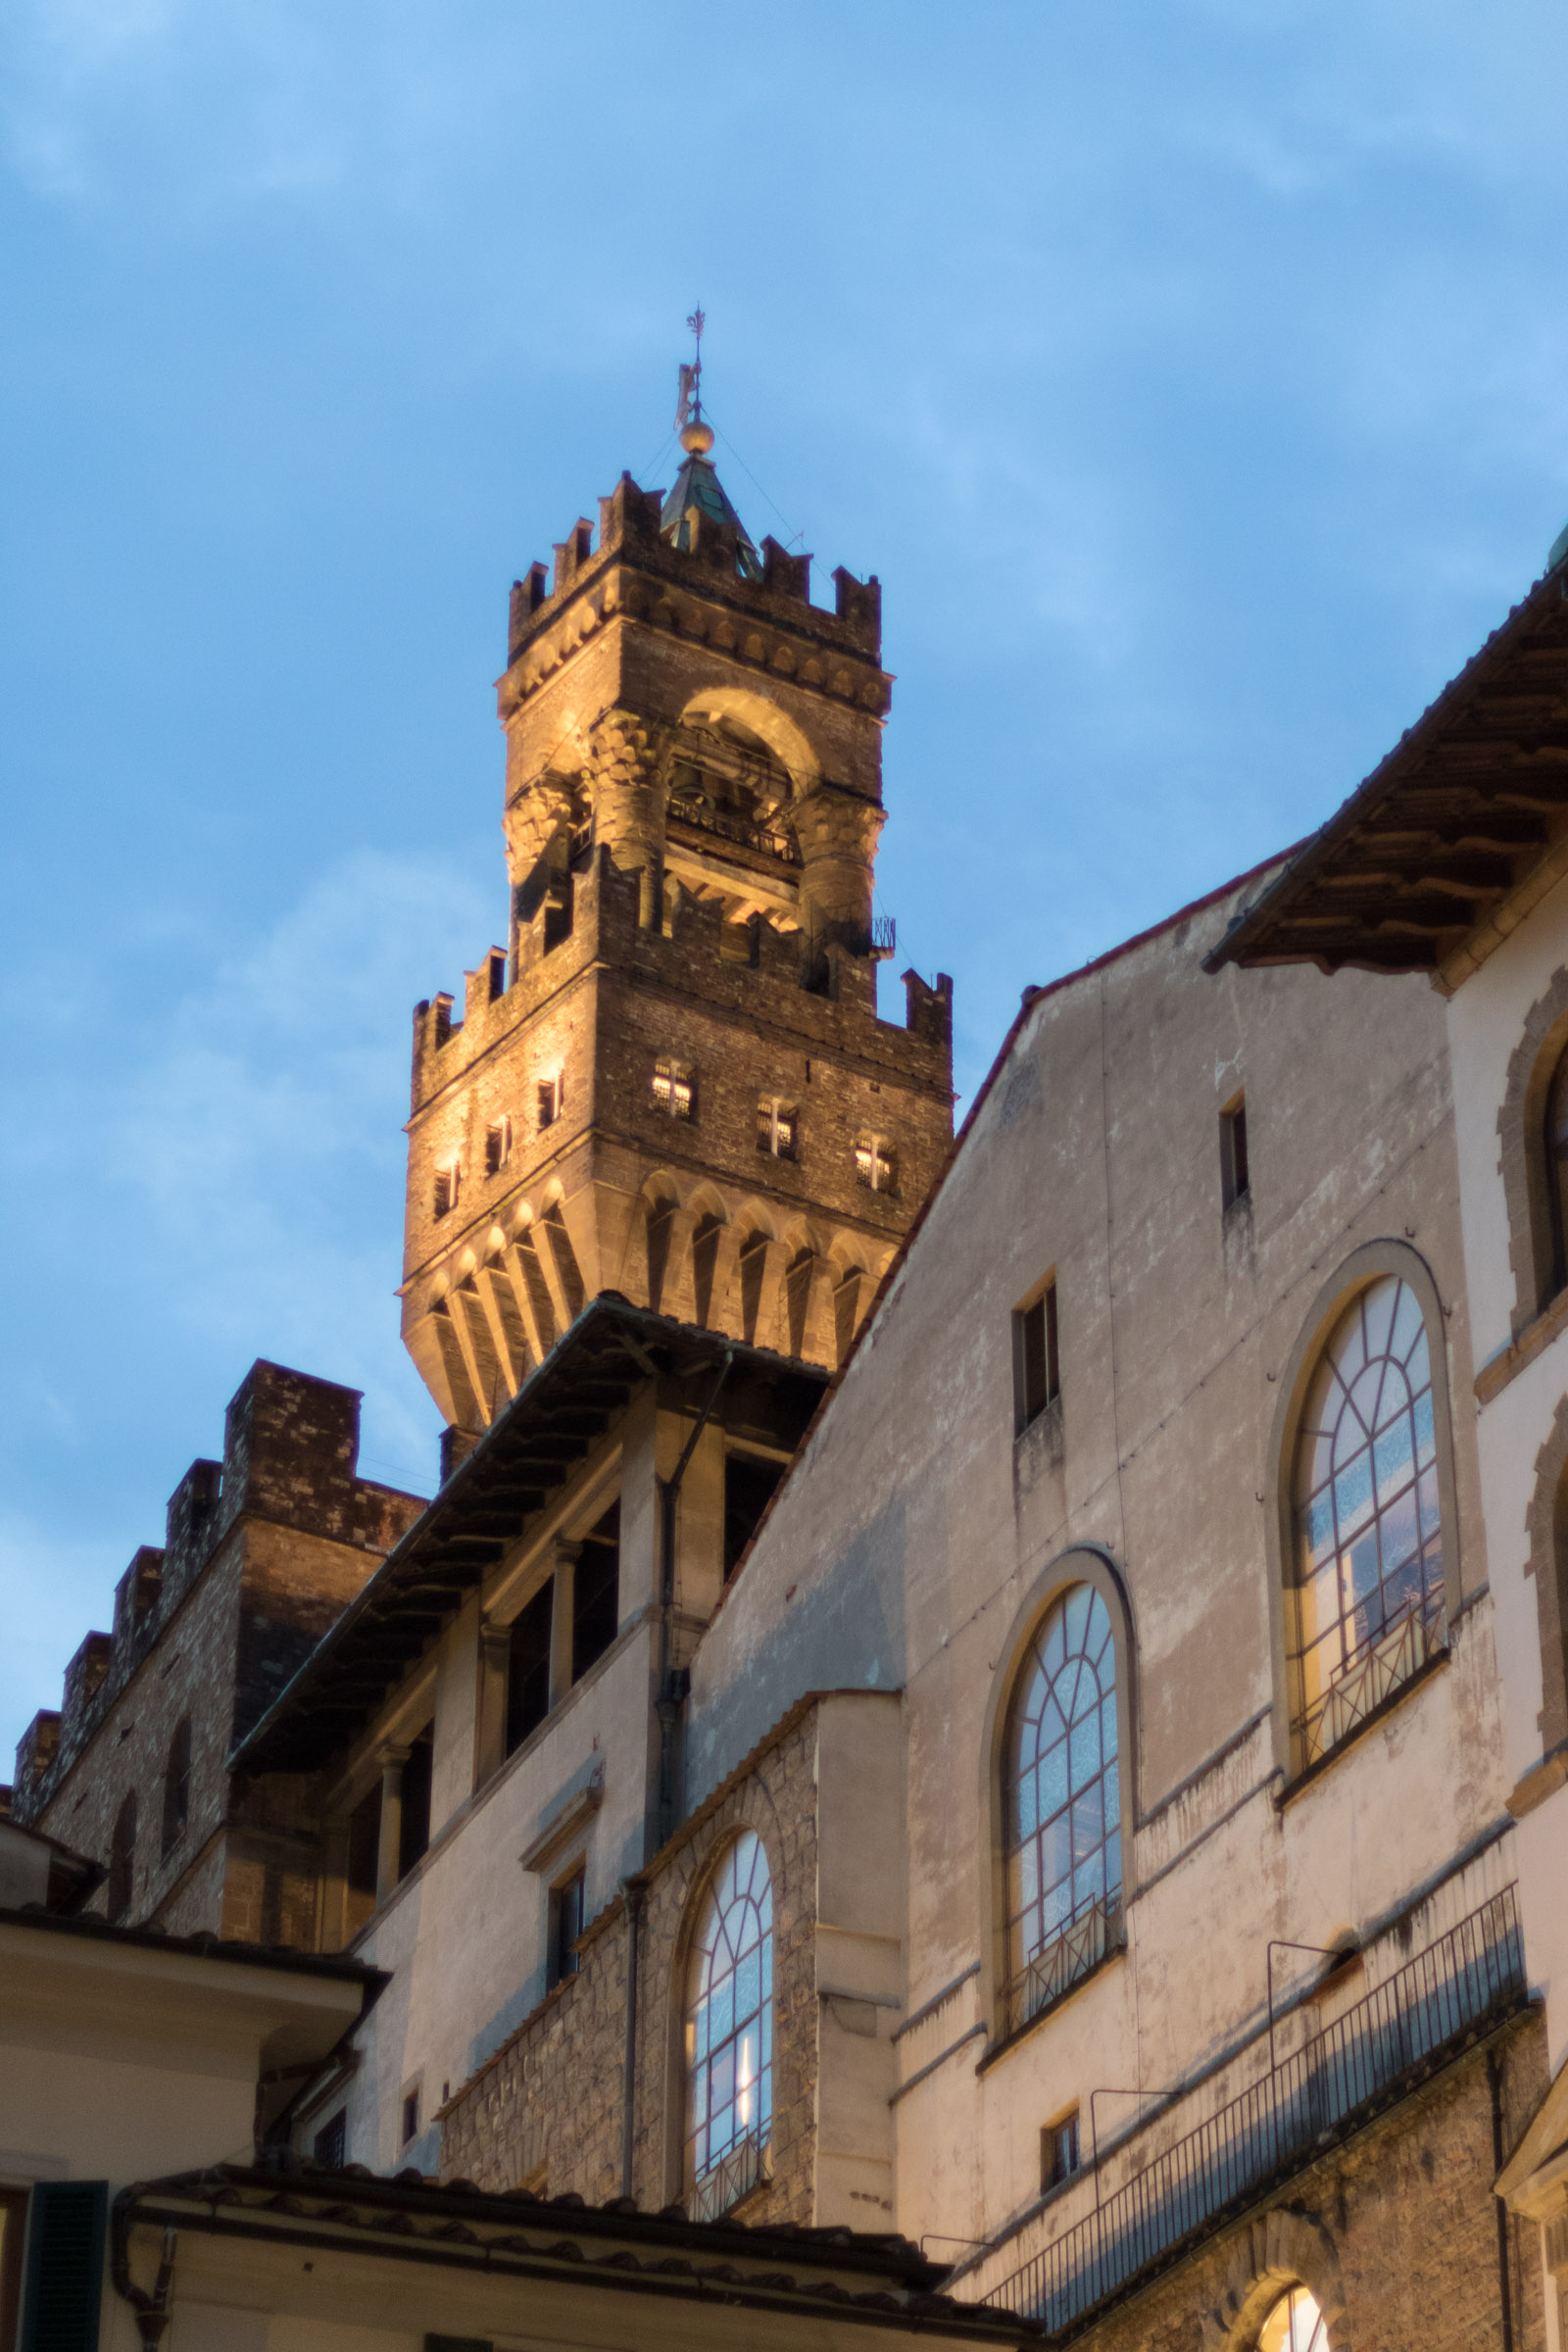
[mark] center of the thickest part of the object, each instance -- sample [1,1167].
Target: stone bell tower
[671,1082]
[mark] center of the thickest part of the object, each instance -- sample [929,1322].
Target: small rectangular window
[551,1092]
[448,1184]
[330,2146]
[497,1146]
[674,1088]
[498,974]
[776,1126]
[875,1163]
[558,913]
[750,1483]
[1059,2151]
[1235,1177]
[410,2115]
[1037,1369]
[566,1924]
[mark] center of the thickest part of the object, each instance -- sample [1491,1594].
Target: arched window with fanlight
[1062,1805]
[729,2035]
[1295,2323]
[1367,1520]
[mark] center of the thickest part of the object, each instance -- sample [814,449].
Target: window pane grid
[1063,1804]
[729,2024]
[1369,1565]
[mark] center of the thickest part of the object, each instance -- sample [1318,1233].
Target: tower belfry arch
[687,990]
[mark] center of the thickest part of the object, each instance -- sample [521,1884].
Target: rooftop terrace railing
[1421,2015]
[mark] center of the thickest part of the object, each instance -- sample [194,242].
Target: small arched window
[729,2035]
[177,1785]
[1368,1527]
[121,1859]
[1061,1800]
[1295,2323]
[1557,1145]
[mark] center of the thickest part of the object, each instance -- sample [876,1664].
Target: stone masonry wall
[1396,2235]
[549,2102]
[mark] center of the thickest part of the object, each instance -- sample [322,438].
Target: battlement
[632,536]
[752,970]
[290,1448]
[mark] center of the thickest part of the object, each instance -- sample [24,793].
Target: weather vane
[696,437]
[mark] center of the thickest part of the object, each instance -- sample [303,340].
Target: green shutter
[66,2225]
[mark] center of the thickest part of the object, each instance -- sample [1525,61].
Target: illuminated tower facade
[671,1082]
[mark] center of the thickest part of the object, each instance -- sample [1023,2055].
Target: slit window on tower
[528,1666]
[448,1184]
[497,1146]
[596,1593]
[675,1087]
[558,912]
[549,1100]
[776,1126]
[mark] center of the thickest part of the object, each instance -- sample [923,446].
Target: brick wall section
[551,2098]
[262,1554]
[1396,2235]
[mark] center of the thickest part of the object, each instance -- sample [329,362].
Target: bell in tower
[672,1082]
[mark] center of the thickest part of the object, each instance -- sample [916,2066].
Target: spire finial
[695,437]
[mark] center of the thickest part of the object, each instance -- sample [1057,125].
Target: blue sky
[1192,374]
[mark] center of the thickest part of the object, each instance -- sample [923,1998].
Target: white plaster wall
[465,1934]
[907,1540]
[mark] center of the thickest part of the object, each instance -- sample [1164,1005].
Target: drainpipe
[672,1685]
[632,1894]
[1495,2084]
[151,2311]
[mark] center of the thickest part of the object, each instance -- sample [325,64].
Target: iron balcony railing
[1471,1975]
[739,2170]
[1372,1672]
[741,830]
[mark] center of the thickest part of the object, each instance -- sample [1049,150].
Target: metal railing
[1373,1673]
[739,2170]
[1059,1965]
[745,830]
[1408,2023]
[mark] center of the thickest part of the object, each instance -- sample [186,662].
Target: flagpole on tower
[695,435]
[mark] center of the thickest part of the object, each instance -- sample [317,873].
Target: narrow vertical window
[549,1100]
[1557,1172]
[448,1184]
[177,1785]
[595,1593]
[674,1087]
[1059,2151]
[414,1826]
[330,2146]
[729,2035]
[497,1146]
[122,1859]
[775,1126]
[498,974]
[1037,1369]
[528,1666]
[566,1923]
[875,1165]
[410,2115]
[1234,1174]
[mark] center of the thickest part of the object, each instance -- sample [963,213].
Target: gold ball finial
[697,438]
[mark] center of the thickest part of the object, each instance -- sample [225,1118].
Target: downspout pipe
[1505,2289]
[672,1691]
[633,1891]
